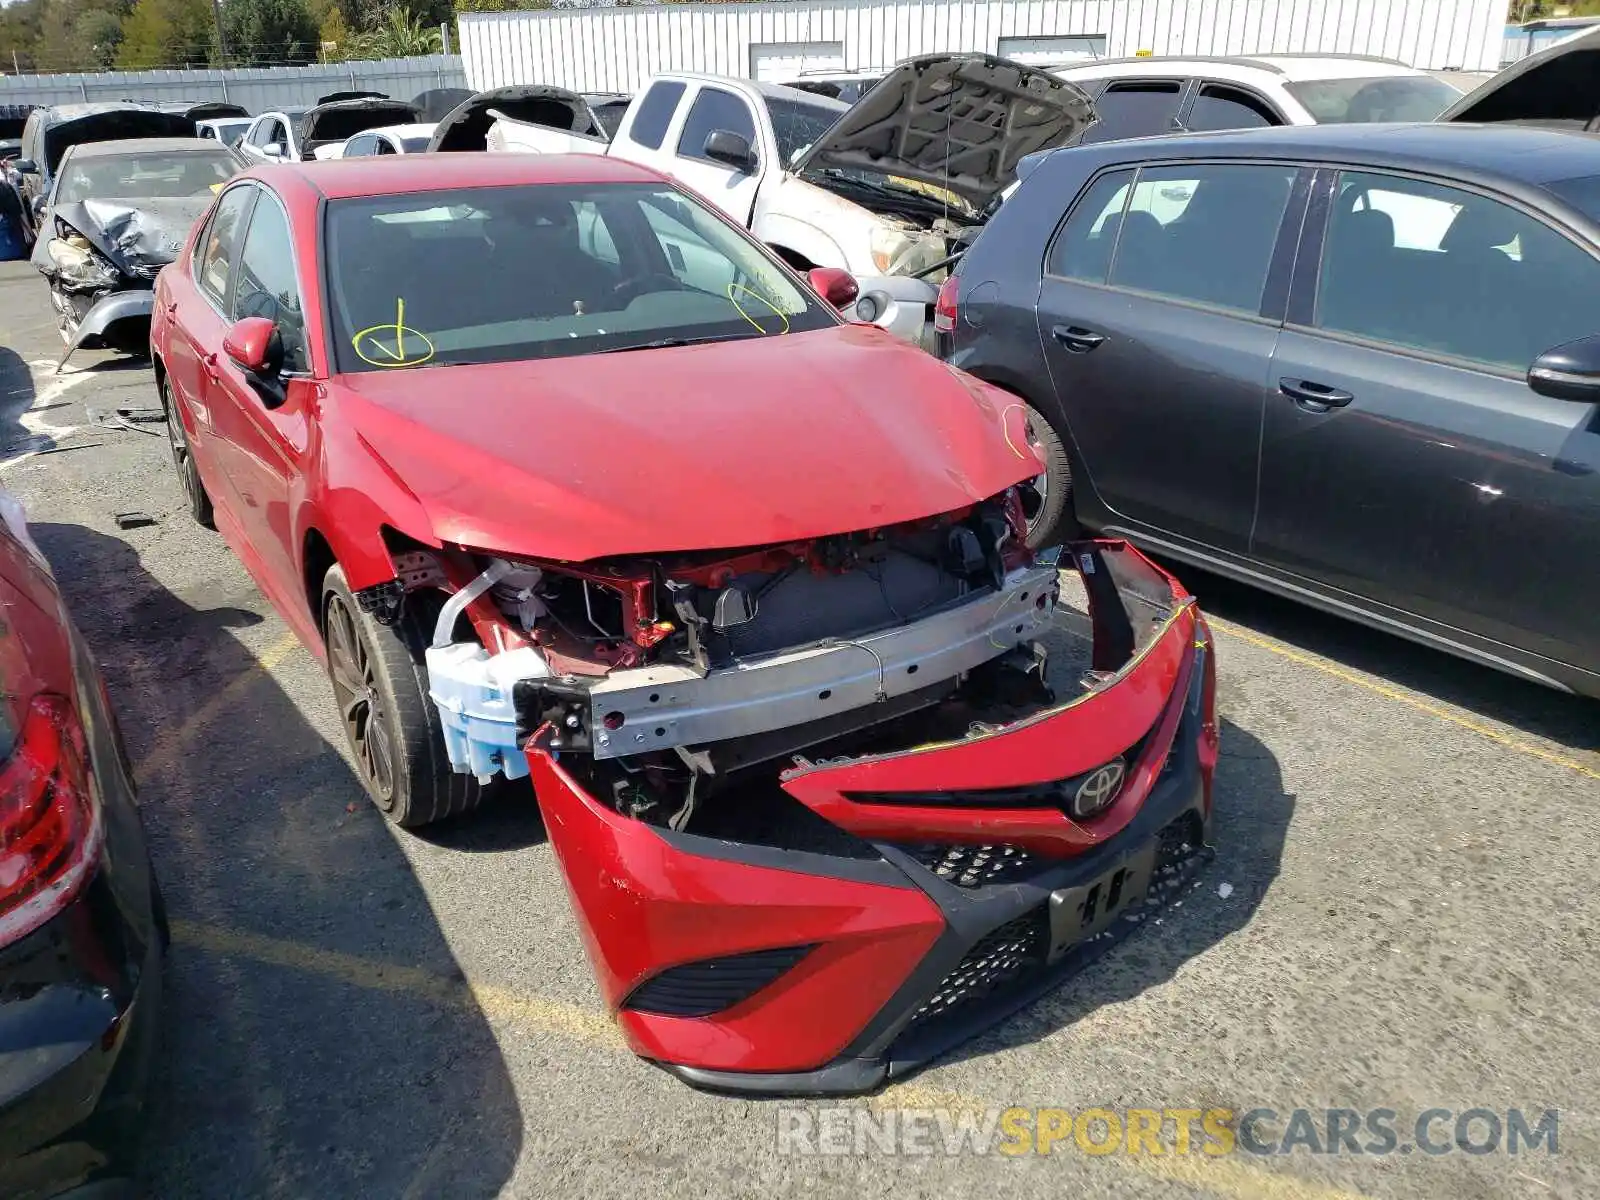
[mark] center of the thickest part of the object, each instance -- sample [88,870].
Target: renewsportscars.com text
[842,1130]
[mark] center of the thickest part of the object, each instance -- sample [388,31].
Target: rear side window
[1202,232]
[655,114]
[1219,107]
[1135,108]
[1083,248]
[714,109]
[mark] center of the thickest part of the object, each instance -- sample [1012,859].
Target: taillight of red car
[50,830]
[944,308]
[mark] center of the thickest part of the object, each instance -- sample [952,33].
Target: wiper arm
[668,342]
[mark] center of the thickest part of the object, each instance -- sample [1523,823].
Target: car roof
[778,91]
[1289,67]
[397,174]
[1520,152]
[123,147]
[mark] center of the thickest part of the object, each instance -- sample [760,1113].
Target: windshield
[145,176]
[797,124]
[545,271]
[229,132]
[1388,98]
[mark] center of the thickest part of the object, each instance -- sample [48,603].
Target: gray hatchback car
[1356,365]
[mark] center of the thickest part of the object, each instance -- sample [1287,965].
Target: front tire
[380,684]
[183,460]
[1054,521]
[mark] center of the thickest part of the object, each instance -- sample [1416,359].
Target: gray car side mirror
[1569,372]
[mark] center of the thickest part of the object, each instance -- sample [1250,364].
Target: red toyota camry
[566,477]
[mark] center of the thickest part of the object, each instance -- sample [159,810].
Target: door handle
[212,372]
[1076,338]
[1314,397]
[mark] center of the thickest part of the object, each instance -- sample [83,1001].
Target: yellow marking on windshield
[734,300]
[396,352]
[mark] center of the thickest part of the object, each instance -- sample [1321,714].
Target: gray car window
[714,109]
[266,286]
[1202,232]
[1083,248]
[1219,107]
[1135,108]
[655,114]
[1451,272]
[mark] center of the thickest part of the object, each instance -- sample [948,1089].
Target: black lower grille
[1000,957]
[974,866]
[711,985]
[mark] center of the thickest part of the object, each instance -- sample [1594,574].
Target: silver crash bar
[653,708]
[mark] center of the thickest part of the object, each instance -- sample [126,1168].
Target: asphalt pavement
[1400,915]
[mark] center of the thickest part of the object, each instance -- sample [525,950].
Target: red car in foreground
[565,476]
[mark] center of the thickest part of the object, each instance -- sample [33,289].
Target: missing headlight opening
[668,681]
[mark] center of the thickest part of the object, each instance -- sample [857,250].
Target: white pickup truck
[881,188]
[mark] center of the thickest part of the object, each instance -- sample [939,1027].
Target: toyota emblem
[1099,789]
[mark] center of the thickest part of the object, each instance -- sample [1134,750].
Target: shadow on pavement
[1572,721]
[16,397]
[318,1036]
[1249,829]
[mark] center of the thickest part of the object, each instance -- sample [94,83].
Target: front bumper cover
[770,970]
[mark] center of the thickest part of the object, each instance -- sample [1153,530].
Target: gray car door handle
[1077,339]
[1314,397]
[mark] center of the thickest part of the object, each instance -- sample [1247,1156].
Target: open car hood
[1558,86]
[114,125]
[954,121]
[466,126]
[336,121]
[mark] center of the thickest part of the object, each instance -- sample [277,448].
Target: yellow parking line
[1232,1179]
[171,742]
[1410,701]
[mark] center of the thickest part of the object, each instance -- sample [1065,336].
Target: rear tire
[183,460]
[380,683]
[1055,521]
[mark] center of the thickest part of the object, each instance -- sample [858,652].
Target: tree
[167,33]
[398,35]
[19,34]
[268,33]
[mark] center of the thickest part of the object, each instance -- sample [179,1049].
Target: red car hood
[689,448]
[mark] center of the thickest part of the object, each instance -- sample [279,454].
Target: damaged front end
[100,258]
[827,808]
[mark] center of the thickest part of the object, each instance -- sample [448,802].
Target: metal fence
[614,49]
[258,89]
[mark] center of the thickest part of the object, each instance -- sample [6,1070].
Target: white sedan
[390,139]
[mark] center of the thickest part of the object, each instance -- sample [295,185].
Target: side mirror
[273,150]
[26,165]
[1569,372]
[835,285]
[256,348]
[730,148]
[39,202]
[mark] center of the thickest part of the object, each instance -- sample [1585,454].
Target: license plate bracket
[1079,913]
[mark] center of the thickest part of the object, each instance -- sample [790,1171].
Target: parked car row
[772,652]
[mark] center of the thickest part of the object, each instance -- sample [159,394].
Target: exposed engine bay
[666,680]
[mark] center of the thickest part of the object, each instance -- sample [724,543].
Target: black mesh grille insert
[711,985]
[1000,956]
[974,866]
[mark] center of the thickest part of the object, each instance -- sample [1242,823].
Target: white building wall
[615,49]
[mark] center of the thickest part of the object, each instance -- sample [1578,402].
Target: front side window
[1449,272]
[655,114]
[1387,98]
[714,109]
[525,272]
[217,247]
[1202,232]
[1135,108]
[266,286]
[1221,107]
[144,176]
[359,147]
